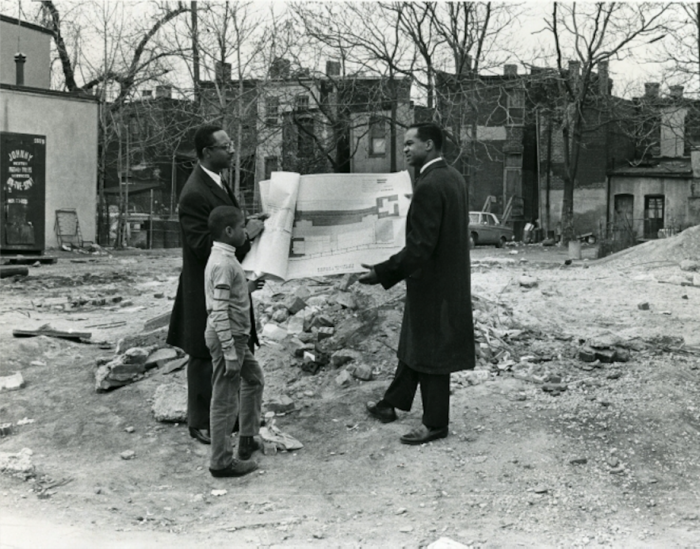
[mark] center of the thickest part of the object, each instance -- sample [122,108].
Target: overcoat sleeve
[423,231]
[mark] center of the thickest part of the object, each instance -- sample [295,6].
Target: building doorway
[623,222]
[653,215]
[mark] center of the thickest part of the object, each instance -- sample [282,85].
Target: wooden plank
[28,259]
[6,272]
[157,322]
[73,336]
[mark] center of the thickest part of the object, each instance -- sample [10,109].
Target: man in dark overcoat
[204,191]
[437,332]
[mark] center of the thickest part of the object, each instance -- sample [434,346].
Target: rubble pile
[132,364]
[683,247]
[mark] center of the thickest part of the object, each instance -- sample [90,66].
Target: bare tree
[591,34]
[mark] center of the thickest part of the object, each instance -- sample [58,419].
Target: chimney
[332,68]
[510,70]
[280,67]
[20,58]
[222,72]
[603,79]
[651,90]
[676,92]
[164,91]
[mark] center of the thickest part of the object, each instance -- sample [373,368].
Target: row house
[491,141]
[330,123]
[658,192]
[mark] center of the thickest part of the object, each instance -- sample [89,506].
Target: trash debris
[18,464]
[271,434]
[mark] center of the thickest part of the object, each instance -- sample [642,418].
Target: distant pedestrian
[437,332]
[226,336]
[204,191]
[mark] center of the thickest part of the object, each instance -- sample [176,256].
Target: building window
[272,105]
[301,102]
[305,137]
[377,136]
[271,165]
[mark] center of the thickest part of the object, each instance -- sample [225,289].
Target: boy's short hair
[222,217]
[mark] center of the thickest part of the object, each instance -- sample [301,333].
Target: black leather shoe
[202,435]
[382,412]
[246,447]
[423,434]
[236,469]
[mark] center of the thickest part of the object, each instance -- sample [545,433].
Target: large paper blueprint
[325,224]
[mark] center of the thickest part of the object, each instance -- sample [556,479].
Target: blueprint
[325,224]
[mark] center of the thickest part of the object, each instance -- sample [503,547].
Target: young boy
[235,369]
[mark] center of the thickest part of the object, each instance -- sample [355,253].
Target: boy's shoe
[236,469]
[246,447]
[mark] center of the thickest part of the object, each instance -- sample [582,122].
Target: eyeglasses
[227,147]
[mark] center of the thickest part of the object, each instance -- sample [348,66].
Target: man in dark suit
[437,331]
[203,192]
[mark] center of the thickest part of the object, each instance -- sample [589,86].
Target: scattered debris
[18,464]
[12,383]
[127,455]
[271,434]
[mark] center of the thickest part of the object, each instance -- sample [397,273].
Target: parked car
[485,228]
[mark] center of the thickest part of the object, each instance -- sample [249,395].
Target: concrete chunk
[12,383]
[170,403]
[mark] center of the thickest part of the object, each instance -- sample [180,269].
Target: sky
[629,75]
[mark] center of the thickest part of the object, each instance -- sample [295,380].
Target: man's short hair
[429,130]
[203,138]
[222,217]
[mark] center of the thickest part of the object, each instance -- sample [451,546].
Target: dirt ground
[613,461]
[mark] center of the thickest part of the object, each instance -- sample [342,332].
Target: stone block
[294,304]
[136,355]
[621,355]
[295,325]
[606,356]
[274,331]
[345,300]
[302,292]
[170,403]
[363,372]
[144,339]
[343,356]
[586,354]
[160,356]
[527,281]
[325,332]
[643,306]
[12,383]
[317,301]
[343,379]
[280,405]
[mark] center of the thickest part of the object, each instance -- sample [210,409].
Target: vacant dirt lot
[609,459]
